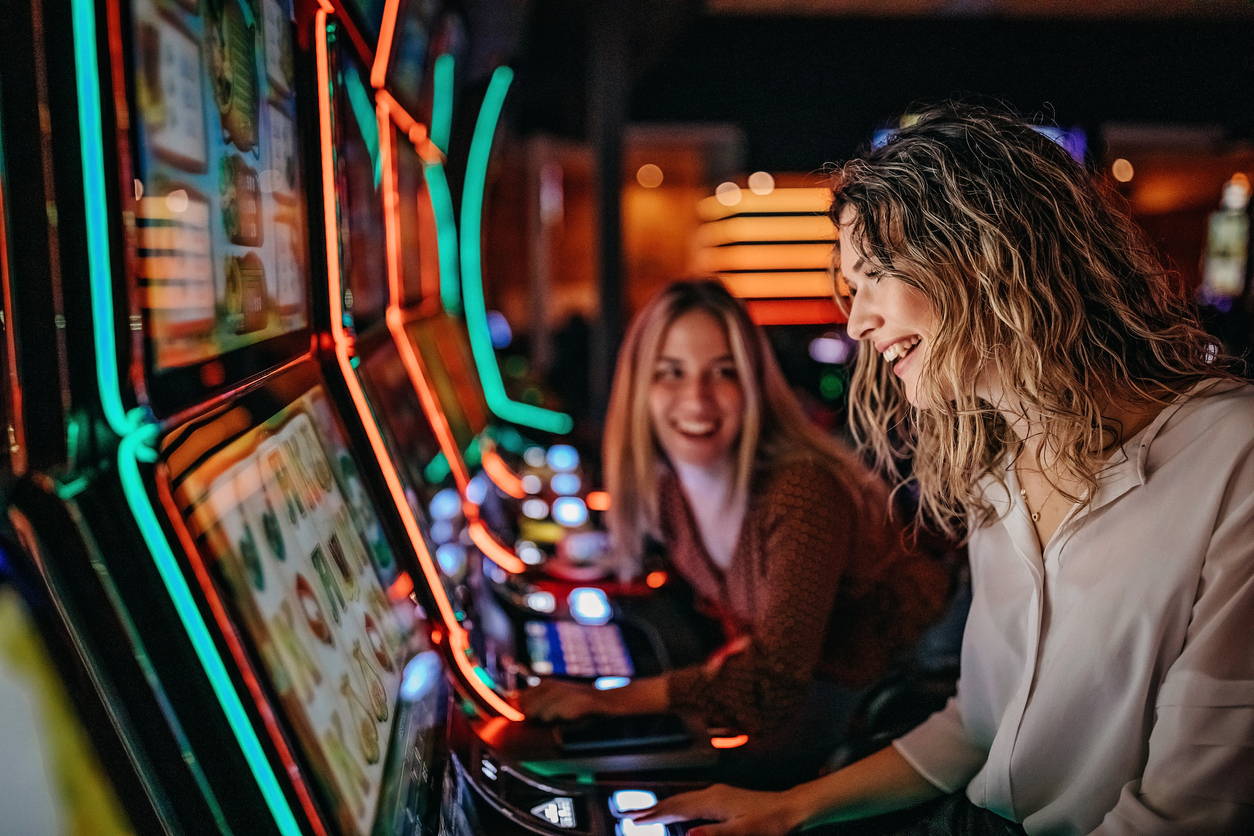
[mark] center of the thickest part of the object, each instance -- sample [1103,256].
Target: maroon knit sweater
[817,588]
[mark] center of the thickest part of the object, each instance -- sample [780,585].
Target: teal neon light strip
[363,113]
[446,238]
[442,102]
[472,269]
[91,144]
[437,186]
[136,447]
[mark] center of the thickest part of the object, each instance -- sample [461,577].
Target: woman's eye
[666,373]
[727,373]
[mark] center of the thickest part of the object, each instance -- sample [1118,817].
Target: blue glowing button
[421,675]
[477,489]
[609,683]
[570,511]
[534,456]
[558,811]
[452,559]
[565,484]
[628,801]
[563,457]
[589,606]
[541,601]
[446,504]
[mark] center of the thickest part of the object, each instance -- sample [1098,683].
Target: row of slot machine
[269,562]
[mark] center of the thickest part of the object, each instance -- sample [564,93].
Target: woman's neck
[716,504]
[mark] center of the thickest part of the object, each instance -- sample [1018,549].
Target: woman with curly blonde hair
[1022,345]
[783,533]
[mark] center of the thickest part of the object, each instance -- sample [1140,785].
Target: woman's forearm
[641,696]
[879,783]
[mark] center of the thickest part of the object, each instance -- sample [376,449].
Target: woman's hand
[555,699]
[736,812]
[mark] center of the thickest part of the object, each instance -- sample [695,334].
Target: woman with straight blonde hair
[782,532]
[1023,345]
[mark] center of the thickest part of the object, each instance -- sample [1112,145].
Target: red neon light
[655,580]
[729,742]
[794,311]
[598,500]
[459,641]
[383,52]
[401,588]
[228,630]
[500,473]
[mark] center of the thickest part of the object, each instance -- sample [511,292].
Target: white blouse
[1108,684]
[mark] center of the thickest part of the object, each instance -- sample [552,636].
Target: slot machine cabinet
[213,486]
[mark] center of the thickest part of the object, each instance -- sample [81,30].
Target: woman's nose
[862,319]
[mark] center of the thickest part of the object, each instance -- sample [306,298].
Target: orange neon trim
[655,580]
[230,634]
[794,311]
[401,116]
[459,641]
[597,500]
[391,192]
[383,52]
[500,473]
[496,551]
[729,742]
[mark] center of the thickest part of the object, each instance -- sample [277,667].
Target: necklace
[1036,515]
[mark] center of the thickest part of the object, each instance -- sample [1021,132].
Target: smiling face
[696,401]
[895,318]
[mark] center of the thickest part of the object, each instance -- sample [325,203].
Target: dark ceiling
[809,90]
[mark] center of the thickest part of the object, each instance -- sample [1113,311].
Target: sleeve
[807,546]
[1199,774]
[940,751]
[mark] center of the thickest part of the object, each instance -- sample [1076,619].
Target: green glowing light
[442,102]
[137,447]
[364,116]
[831,386]
[446,238]
[472,269]
[436,470]
[91,146]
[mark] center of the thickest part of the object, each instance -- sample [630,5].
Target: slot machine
[211,490]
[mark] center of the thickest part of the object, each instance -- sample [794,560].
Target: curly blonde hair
[775,430]
[1034,272]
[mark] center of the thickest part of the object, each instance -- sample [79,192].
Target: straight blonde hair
[1033,270]
[775,430]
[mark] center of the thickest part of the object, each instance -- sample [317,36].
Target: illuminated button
[442,531]
[529,553]
[422,672]
[565,484]
[609,683]
[536,509]
[627,801]
[477,489]
[534,456]
[563,457]
[589,606]
[532,483]
[627,827]
[488,768]
[452,559]
[558,811]
[446,504]
[542,601]
[570,511]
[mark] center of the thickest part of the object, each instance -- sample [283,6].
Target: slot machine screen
[358,179]
[221,252]
[446,354]
[51,778]
[296,550]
